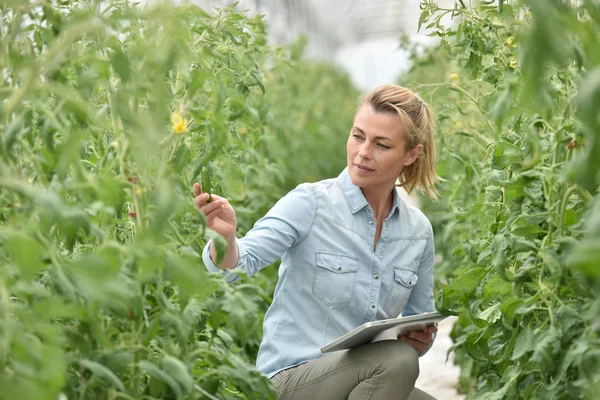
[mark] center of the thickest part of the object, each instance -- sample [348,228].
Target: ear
[413,154]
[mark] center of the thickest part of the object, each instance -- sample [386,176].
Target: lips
[363,168]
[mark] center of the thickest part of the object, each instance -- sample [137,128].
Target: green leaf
[524,344]
[476,345]
[181,156]
[150,264]
[546,343]
[491,314]
[487,252]
[26,253]
[220,247]
[151,331]
[110,191]
[56,307]
[586,257]
[103,373]
[575,352]
[158,374]
[500,246]
[423,18]
[119,361]
[501,107]
[509,308]
[166,203]
[256,75]
[469,280]
[179,372]
[506,155]
[526,230]
[207,183]
[120,63]
[495,288]
[192,280]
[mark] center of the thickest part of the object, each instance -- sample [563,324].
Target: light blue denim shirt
[330,280]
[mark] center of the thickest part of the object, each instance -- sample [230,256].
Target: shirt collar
[355,197]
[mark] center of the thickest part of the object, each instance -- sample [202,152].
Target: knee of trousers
[396,358]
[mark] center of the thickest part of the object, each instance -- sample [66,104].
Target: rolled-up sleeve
[229,275]
[286,225]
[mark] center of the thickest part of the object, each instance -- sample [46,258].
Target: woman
[352,251]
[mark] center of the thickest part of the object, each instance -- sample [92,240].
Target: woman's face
[376,149]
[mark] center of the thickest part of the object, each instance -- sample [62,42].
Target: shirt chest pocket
[404,281]
[335,278]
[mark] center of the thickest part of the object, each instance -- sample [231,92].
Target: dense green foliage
[516,90]
[109,113]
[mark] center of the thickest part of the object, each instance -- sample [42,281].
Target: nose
[364,150]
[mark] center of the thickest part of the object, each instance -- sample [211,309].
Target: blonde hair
[419,128]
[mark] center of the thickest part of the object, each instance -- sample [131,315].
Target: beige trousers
[385,370]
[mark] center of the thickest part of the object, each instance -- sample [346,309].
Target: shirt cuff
[229,275]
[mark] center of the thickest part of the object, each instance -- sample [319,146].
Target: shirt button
[339,267]
[376,276]
[373,306]
[381,252]
[371,223]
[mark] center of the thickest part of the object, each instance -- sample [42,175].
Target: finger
[209,207]
[432,329]
[197,189]
[418,346]
[420,336]
[201,200]
[212,215]
[216,197]
[223,200]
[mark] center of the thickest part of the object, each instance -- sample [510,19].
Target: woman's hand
[420,340]
[220,216]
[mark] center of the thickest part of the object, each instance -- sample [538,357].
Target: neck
[380,200]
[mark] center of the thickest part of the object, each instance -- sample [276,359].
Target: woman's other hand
[420,340]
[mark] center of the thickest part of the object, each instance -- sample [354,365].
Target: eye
[357,137]
[383,146]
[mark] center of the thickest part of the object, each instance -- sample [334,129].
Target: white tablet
[382,330]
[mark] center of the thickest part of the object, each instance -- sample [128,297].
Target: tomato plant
[515,87]
[110,111]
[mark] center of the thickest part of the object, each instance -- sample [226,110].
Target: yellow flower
[30,180]
[178,123]
[459,124]
[513,64]
[511,42]
[527,14]
[243,130]
[454,76]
